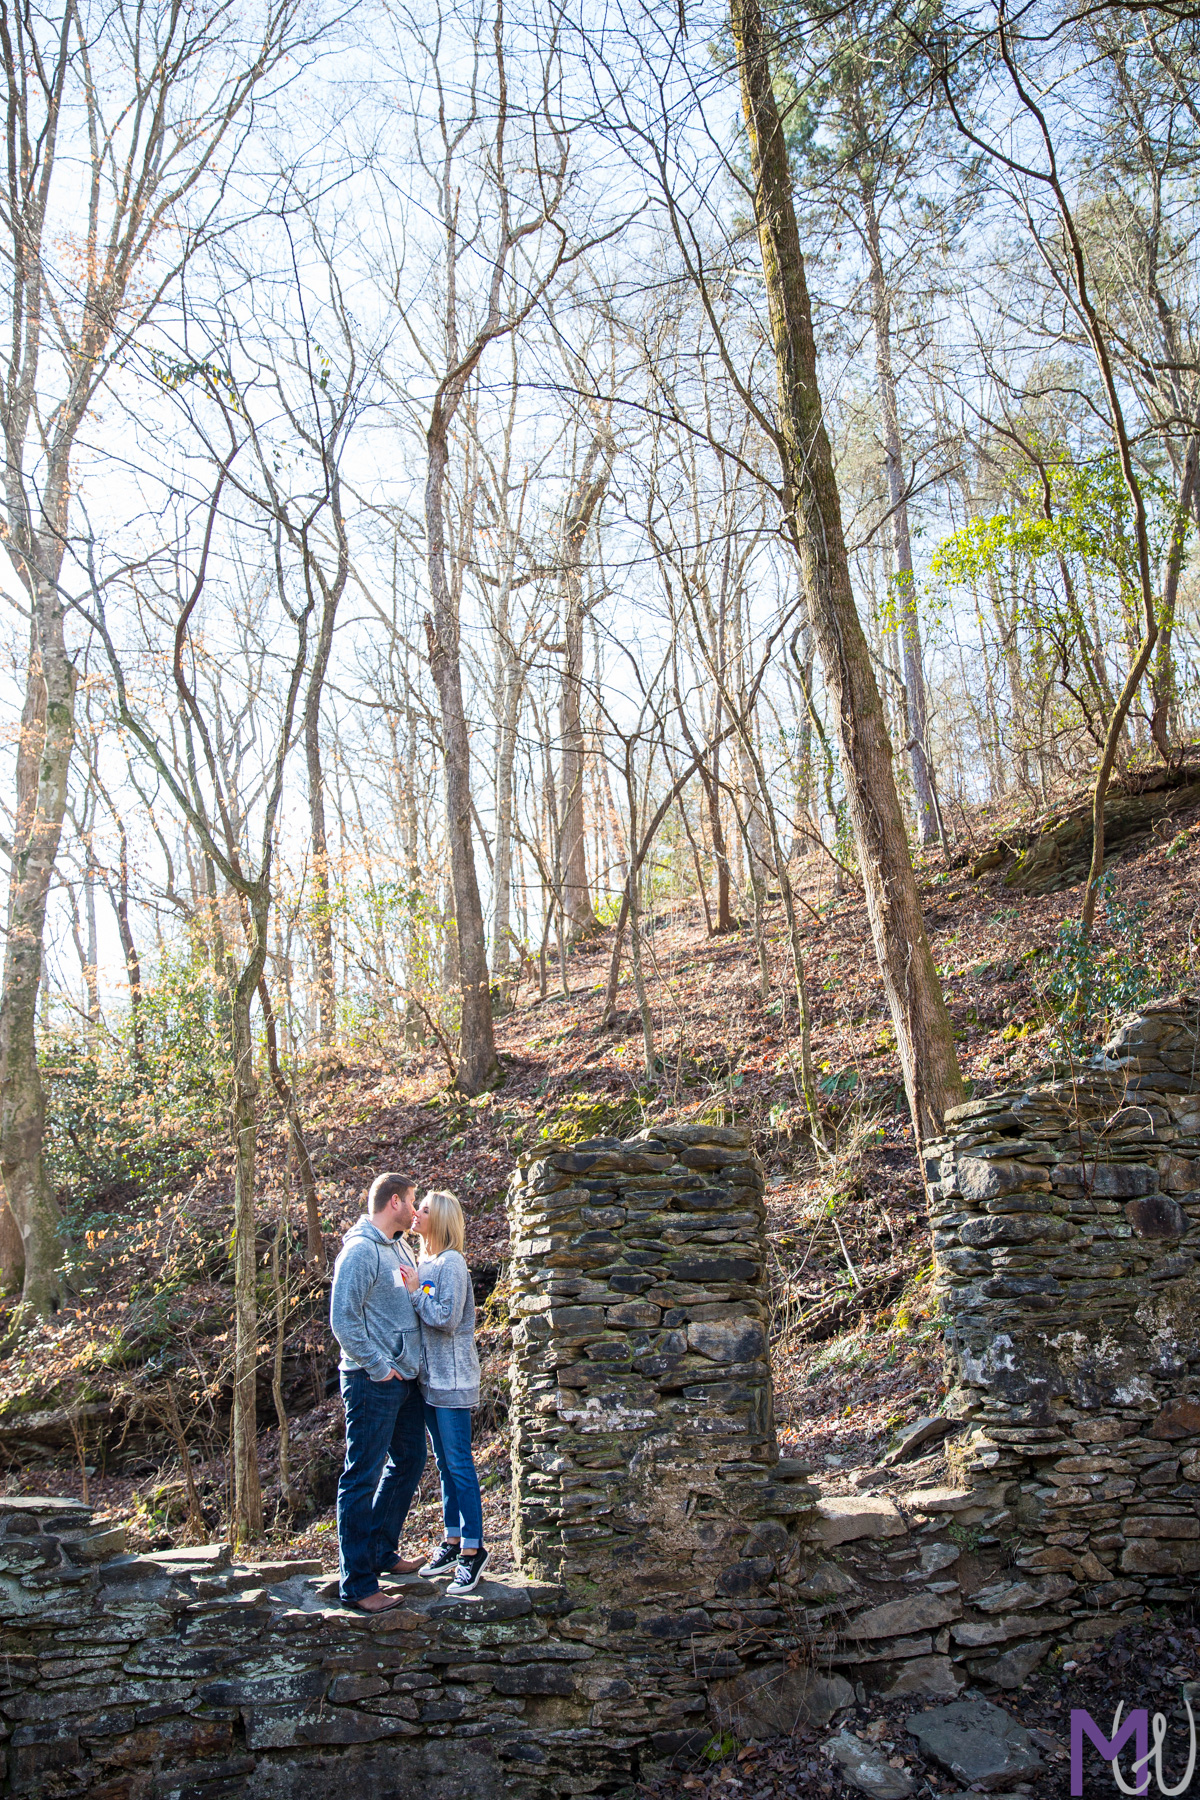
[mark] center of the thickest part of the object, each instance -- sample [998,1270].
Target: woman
[444,1302]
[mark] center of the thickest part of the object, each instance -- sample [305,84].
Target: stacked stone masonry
[677,1578]
[1066,1221]
[643,1434]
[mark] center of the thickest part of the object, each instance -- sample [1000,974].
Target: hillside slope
[855,1340]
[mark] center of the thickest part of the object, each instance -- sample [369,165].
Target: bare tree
[924,1033]
[515,206]
[158,94]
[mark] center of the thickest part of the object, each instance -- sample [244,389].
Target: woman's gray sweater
[445,1304]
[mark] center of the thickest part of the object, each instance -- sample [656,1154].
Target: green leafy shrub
[1094,979]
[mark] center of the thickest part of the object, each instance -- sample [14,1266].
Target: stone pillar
[644,1450]
[1066,1223]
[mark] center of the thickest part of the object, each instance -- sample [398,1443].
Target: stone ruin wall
[655,1524]
[1066,1222]
[677,1578]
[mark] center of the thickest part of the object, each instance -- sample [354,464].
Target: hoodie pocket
[406,1356]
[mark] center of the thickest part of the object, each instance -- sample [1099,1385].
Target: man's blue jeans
[462,1505]
[385,1454]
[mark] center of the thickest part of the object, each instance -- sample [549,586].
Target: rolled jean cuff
[470,1544]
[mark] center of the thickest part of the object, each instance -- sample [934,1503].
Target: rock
[975,1635]
[1158,1556]
[943,1500]
[840,1519]
[1178,1420]
[726,1340]
[916,1612]
[869,1478]
[911,1437]
[751,1576]
[1157,1216]
[490,1602]
[984,1180]
[44,1506]
[98,1547]
[200,1559]
[535,1678]
[936,1557]
[867,1769]
[981,1744]
[1011,1667]
[772,1700]
[826,1582]
[933,1676]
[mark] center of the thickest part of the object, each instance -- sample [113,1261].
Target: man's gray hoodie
[370,1311]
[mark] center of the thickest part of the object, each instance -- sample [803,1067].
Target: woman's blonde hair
[446,1219]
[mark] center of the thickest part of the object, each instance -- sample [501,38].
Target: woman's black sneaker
[467,1572]
[442,1561]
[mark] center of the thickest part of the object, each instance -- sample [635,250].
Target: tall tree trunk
[133,963]
[43,761]
[477,1064]
[510,705]
[297,1147]
[1162,679]
[908,625]
[584,500]
[924,1034]
[322,905]
[247,1490]
[91,976]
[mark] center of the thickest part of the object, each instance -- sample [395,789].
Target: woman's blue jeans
[462,1503]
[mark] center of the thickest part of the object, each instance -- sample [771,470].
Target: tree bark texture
[924,1033]
[285,1093]
[477,1064]
[1162,680]
[908,625]
[321,909]
[247,1494]
[44,755]
[582,505]
[510,702]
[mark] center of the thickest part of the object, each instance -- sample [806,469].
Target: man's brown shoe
[374,1603]
[402,1566]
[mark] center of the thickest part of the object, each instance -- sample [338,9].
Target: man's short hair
[388,1187]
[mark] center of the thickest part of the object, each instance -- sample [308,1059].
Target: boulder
[772,1700]
[981,1744]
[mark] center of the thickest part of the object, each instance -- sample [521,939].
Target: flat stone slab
[916,1612]
[867,1768]
[201,1559]
[489,1603]
[942,1500]
[841,1518]
[921,1431]
[981,1744]
[44,1506]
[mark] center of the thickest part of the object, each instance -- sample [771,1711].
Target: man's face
[402,1211]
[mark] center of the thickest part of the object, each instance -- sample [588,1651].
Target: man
[373,1320]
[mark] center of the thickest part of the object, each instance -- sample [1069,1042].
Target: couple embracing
[406,1327]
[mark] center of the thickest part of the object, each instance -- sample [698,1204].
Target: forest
[563,567]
